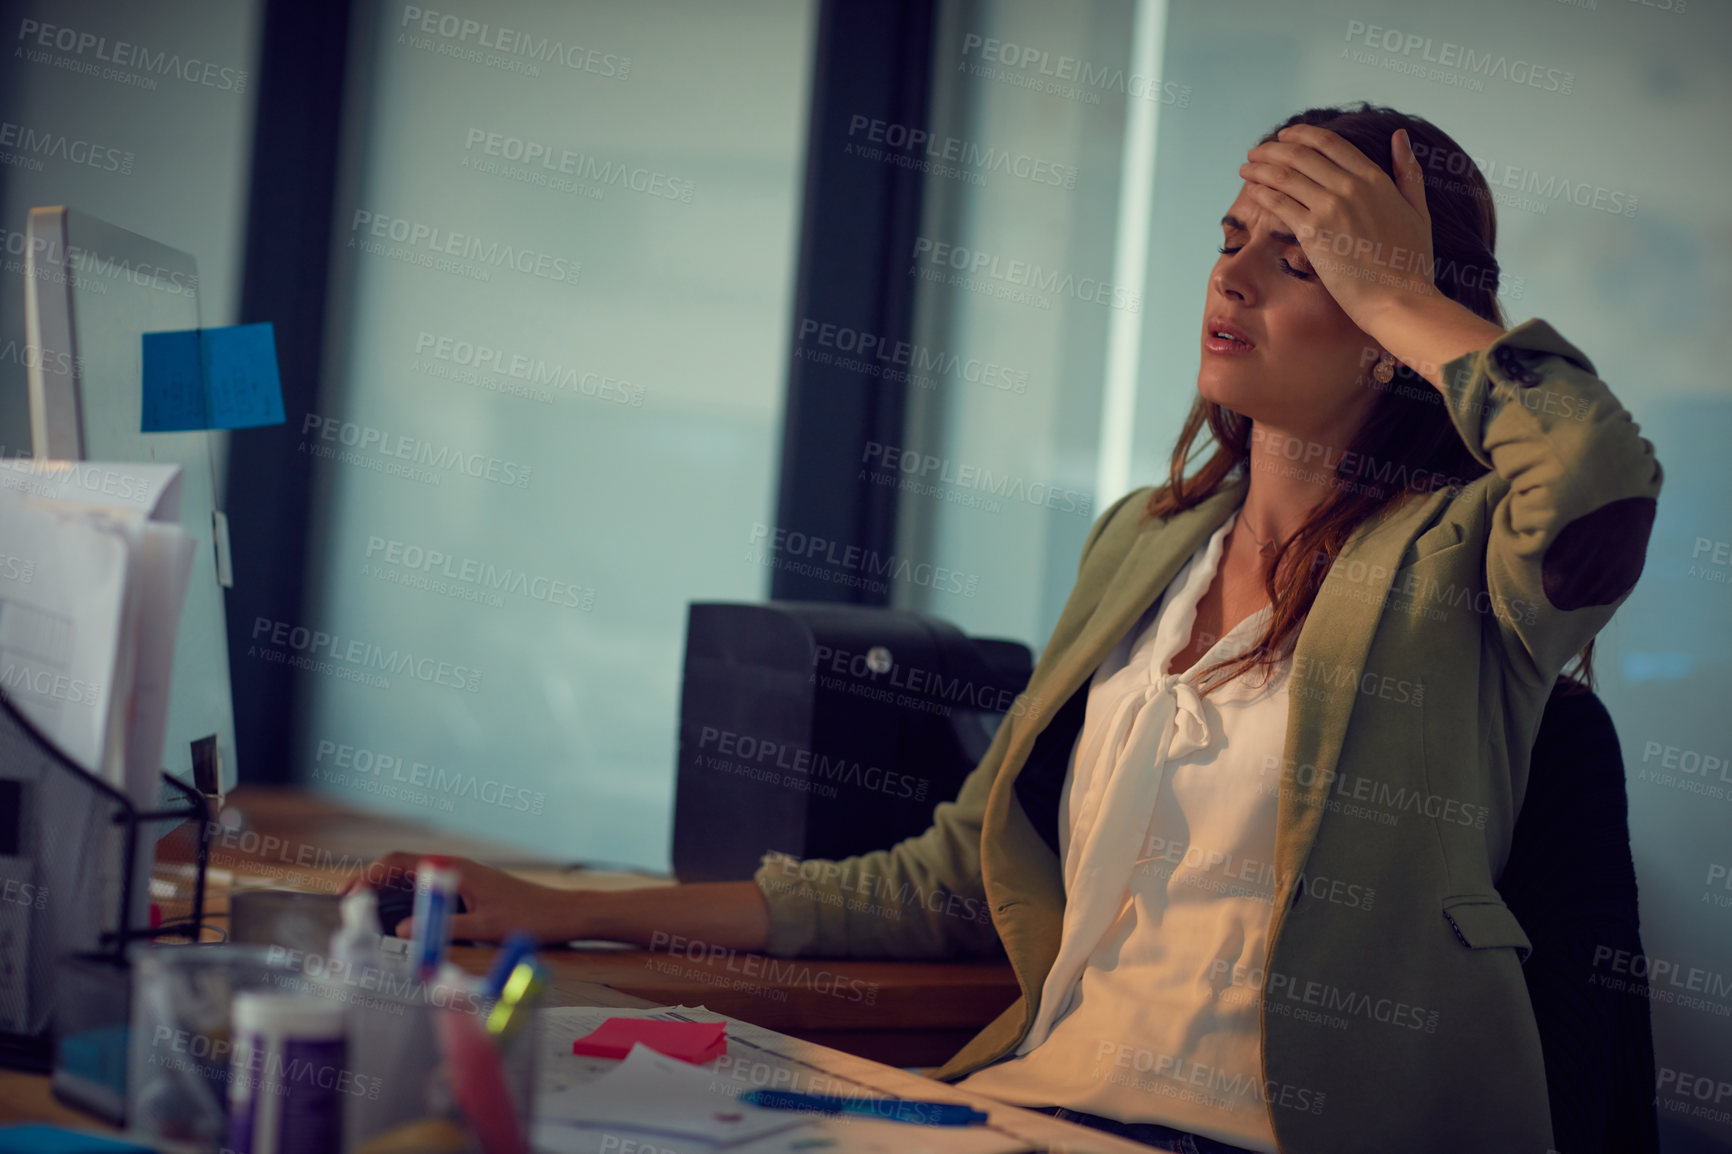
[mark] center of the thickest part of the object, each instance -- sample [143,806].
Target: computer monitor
[92,291]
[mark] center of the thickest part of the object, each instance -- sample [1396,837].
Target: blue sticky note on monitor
[240,365]
[223,378]
[174,392]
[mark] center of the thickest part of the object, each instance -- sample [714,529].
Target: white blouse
[1167,835]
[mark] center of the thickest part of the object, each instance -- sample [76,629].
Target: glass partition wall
[560,309]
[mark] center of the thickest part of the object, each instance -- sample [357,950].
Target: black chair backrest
[1571,882]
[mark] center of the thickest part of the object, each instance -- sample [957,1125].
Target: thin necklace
[1262,545]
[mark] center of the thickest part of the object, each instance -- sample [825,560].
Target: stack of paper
[93,572]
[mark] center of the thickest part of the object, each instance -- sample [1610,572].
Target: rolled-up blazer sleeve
[1573,496]
[922,898]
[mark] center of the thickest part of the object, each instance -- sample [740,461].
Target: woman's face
[1304,372]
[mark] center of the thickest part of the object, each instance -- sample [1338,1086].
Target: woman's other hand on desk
[732,915]
[496,902]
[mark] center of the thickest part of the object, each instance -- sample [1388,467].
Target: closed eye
[1285,267]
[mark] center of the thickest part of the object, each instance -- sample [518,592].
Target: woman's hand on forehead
[1367,237]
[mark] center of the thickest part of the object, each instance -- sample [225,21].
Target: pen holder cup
[181,1044]
[429,1076]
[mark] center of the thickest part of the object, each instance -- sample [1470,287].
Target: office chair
[1571,883]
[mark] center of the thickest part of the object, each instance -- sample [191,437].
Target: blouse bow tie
[1118,774]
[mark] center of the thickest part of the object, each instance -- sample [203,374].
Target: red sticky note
[694,1042]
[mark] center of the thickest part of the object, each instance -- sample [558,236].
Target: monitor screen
[94,290]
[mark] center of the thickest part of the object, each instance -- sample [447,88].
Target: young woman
[1241,844]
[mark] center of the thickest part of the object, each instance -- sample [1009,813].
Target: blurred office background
[671,278]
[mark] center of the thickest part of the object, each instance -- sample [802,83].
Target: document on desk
[763,1059]
[63,586]
[93,573]
[91,588]
[669,1097]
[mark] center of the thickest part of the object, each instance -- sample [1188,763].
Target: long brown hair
[1407,424]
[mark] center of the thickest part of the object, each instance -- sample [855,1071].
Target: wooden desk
[898,1013]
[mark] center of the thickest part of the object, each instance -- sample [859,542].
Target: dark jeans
[1148,1133]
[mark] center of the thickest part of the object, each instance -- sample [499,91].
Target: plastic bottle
[355,946]
[287,1084]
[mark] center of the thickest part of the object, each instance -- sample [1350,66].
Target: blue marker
[892,1109]
[517,946]
[435,904]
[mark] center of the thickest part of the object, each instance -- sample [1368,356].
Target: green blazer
[1397,1020]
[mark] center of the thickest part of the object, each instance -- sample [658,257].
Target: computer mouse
[397,901]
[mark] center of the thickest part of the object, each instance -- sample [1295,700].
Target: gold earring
[1384,370]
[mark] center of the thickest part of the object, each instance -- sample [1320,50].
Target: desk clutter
[271,1049]
[350,1045]
[430,1054]
[323,1059]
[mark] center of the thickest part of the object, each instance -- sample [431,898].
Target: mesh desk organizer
[69,846]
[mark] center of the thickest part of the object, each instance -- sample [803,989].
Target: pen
[518,946]
[435,902]
[893,1109]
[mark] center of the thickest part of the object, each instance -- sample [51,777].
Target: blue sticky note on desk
[223,378]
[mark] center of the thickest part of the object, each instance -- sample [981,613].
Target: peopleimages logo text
[518,366]
[372,765]
[34,34]
[582,165]
[92,267]
[19,569]
[1063,70]
[468,570]
[852,349]
[463,246]
[931,470]
[25,677]
[513,42]
[1022,274]
[366,440]
[1497,66]
[985,158]
[826,559]
[36,143]
[362,655]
